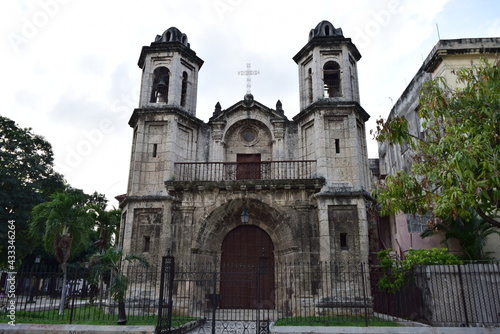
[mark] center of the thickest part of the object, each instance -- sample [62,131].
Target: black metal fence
[213,296]
[34,295]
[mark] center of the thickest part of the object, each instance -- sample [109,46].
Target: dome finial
[325,29]
[172,34]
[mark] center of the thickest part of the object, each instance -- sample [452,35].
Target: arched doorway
[247,269]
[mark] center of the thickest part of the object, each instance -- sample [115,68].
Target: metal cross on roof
[248,72]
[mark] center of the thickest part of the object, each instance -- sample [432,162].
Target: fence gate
[193,299]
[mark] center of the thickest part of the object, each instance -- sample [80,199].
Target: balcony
[246,175]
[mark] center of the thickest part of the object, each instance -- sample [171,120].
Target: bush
[396,272]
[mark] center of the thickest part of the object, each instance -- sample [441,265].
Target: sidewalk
[88,329]
[382,330]
[74,329]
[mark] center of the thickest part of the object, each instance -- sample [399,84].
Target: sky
[68,68]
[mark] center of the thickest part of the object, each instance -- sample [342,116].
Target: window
[155,150]
[309,86]
[327,30]
[343,241]
[331,79]
[184,89]
[146,244]
[337,145]
[159,91]
[417,223]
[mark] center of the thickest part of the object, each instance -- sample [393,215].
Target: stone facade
[402,232]
[304,181]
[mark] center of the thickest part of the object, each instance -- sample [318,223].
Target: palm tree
[64,227]
[110,260]
[471,234]
[108,225]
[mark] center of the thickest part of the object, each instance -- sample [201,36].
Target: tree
[108,225]
[455,164]
[63,224]
[111,260]
[471,234]
[27,178]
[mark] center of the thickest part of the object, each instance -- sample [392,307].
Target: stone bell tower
[169,72]
[331,126]
[331,118]
[327,67]
[168,97]
[165,130]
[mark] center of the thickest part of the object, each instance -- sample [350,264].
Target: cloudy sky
[69,67]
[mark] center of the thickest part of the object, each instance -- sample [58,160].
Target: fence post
[365,302]
[463,295]
[162,323]
[72,296]
[258,298]
[215,300]
[170,291]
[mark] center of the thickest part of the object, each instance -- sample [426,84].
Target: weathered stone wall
[284,215]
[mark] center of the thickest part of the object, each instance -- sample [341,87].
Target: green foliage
[111,261]
[471,234]
[456,160]
[63,224]
[27,178]
[396,272]
[108,226]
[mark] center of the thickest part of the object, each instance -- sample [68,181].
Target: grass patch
[339,322]
[87,315]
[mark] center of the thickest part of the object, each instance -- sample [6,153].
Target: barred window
[417,223]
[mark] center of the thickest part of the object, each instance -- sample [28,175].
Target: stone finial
[248,99]
[279,106]
[217,108]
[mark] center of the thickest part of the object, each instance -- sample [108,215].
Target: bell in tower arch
[161,91]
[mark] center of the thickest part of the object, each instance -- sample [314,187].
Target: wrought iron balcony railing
[232,171]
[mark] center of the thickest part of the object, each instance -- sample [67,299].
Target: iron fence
[213,296]
[38,291]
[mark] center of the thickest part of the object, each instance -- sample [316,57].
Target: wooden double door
[247,269]
[248,167]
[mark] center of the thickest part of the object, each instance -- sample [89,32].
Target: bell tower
[331,120]
[331,131]
[165,123]
[327,67]
[169,72]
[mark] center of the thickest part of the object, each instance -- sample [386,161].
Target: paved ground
[74,329]
[242,328]
[382,330]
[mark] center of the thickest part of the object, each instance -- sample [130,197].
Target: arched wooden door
[247,269]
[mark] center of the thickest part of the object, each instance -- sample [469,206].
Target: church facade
[249,183]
